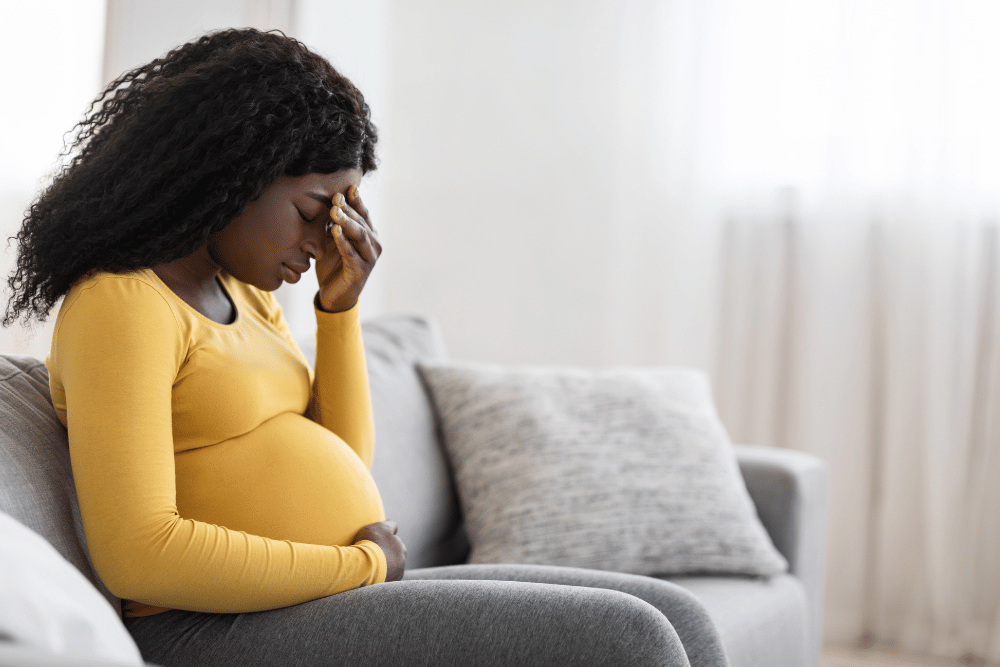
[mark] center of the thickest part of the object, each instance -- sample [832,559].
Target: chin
[262,283]
[268,282]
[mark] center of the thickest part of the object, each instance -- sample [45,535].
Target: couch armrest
[789,489]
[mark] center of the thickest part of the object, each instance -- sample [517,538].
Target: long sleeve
[341,398]
[117,365]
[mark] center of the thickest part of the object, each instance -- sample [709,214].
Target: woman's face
[272,240]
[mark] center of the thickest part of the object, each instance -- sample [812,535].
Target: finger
[357,228]
[354,199]
[353,214]
[362,239]
[354,227]
[346,209]
[348,253]
[351,253]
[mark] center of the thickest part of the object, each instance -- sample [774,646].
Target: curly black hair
[172,151]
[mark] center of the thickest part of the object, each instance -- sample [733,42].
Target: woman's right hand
[383,533]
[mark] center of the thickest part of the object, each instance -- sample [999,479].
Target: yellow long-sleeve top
[215,471]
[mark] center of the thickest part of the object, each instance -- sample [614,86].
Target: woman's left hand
[352,248]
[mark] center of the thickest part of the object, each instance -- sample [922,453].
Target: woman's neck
[193,279]
[194,273]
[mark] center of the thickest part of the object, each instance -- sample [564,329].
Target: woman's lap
[688,616]
[423,622]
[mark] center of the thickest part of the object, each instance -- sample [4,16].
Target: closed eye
[303,216]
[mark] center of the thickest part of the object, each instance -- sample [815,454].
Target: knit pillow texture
[621,469]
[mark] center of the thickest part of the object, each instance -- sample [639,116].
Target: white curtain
[799,196]
[845,158]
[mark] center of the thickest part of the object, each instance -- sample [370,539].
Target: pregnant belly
[288,479]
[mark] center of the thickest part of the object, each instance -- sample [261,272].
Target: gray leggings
[440,616]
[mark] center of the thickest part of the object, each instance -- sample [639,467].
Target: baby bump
[288,479]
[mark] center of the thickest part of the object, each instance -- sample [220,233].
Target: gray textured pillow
[36,481]
[410,466]
[623,469]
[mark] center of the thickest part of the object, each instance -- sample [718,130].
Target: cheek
[236,252]
[274,232]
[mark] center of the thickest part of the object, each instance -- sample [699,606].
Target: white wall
[140,30]
[491,197]
[496,196]
[51,55]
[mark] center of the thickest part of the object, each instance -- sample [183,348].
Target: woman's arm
[117,355]
[341,399]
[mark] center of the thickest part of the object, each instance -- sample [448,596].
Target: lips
[292,275]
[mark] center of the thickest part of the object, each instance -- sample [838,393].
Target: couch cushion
[47,604]
[410,467]
[763,621]
[36,481]
[623,469]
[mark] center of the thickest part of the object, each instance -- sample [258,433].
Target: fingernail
[353,191]
[338,199]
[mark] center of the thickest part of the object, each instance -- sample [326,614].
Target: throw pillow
[48,605]
[410,466]
[623,469]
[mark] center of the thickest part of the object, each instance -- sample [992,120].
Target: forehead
[332,183]
[323,185]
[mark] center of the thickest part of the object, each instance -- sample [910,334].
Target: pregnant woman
[224,484]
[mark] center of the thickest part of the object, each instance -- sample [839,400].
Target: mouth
[290,275]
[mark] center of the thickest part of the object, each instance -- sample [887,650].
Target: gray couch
[719,620]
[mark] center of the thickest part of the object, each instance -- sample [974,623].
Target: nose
[314,241]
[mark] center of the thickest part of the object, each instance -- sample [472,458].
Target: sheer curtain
[800,197]
[844,159]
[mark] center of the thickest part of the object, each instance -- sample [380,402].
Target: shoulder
[118,319]
[130,296]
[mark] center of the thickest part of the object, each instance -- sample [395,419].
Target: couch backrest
[36,482]
[410,467]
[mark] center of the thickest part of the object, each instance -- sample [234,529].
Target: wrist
[331,307]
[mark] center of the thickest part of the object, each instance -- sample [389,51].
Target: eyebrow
[325,201]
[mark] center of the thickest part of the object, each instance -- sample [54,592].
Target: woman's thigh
[423,623]
[688,616]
